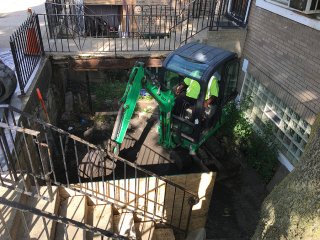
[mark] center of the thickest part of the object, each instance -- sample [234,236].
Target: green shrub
[108,91]
[258,147]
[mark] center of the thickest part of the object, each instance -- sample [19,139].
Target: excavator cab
[195,117]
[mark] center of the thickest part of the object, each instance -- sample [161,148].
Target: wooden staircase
[81,208]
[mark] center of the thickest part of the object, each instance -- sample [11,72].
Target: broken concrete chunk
[88,134]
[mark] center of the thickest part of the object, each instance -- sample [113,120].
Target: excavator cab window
[231,80]
[171,80]
[212,99]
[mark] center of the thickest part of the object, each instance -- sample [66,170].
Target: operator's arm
[180,88]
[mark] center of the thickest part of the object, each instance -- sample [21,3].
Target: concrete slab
[124,225]
[76,209]
[102,217]
[8,228]
[145,230]
[41,228]
[164,233]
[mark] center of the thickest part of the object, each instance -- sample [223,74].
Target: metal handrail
[193,194]
[56,218]
[27,49]
[32,134]
[74,137]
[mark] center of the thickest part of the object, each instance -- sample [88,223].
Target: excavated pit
[238,191]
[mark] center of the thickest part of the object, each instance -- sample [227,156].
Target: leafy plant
[108,91]
[147,97]
[258,146]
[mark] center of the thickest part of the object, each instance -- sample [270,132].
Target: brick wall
[285,57]
[230,39]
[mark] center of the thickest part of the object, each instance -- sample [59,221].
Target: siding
[286,56]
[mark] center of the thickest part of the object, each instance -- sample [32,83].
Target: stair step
[74,208]
[124,225]
[100,216]
[145,230]
[40,227]
[11,216]
[164,233]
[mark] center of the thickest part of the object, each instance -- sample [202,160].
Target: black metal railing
[70,28]
[77,28]
[27,49]
[229,14]
[38,152]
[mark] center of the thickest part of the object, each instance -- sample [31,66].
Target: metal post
[39,33]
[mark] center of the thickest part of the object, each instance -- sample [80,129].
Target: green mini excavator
[182,123]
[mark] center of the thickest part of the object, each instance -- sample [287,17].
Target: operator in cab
[188,93]
[193,88]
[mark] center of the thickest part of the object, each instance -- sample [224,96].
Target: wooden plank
[20,129]
[102,2]
[94,64]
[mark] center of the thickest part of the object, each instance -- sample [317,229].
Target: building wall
[285,57]
[230,39]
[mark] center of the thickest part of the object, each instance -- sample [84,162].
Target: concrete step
[164,233]
[74,208]
[124,225]
[40,227]
[145,230]
[11,217]
[100,216]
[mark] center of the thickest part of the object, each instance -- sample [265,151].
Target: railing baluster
[155,197]
[15,152]
[7,155]
[91,164]
[173,203]
[33,169]
[182,206]
[136,194]
[114,178]
[25,223]
[102,166]
[49,153]
[46,29]
[64,160]
[45,167]
[125,182]
[5,225]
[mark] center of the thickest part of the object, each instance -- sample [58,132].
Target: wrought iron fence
[27,49]
[77,28]
[35,151]
[70,28]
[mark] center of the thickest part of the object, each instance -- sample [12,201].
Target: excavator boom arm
[140,78]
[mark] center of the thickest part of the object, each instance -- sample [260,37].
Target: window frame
[288,13]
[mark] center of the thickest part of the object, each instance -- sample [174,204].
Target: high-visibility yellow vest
[193,89]
[213,88]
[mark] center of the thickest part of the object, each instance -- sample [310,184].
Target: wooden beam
[94,64]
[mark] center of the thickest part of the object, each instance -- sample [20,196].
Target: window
[288,8]
[307,6]
[291,131]
[238,10]
[187,66]
[231,81]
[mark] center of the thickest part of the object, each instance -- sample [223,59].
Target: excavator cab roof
[198,57]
